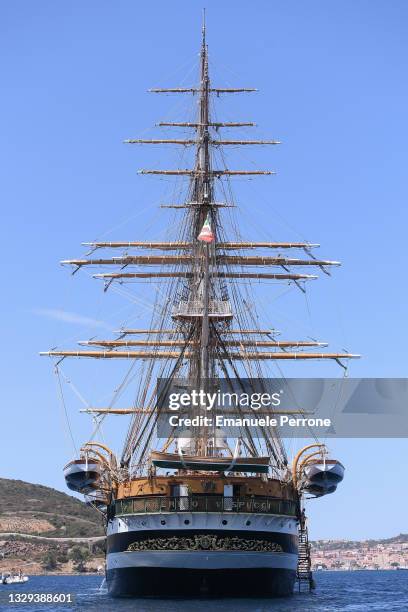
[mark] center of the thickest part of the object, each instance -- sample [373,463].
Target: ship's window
[162,522]
[224,522]
[248,523]
[186,522]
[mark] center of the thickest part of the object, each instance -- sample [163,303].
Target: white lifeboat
[82,475]
[321,476]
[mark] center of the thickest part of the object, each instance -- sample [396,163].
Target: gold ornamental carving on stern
[205,542]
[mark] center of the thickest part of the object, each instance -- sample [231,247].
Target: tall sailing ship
[200,513]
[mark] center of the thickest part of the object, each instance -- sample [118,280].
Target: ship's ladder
[304,569]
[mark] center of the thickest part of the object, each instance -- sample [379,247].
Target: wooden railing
[203,503]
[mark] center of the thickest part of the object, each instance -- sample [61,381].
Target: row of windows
[187,522]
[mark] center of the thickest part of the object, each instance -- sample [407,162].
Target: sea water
[356,591]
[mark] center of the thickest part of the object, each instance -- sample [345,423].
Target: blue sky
[333,88]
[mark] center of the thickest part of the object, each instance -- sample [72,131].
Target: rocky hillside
[46,531]
[37,510]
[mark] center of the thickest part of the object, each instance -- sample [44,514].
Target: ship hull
[190,555]
[185,582]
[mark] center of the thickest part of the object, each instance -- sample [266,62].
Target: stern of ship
[199,544]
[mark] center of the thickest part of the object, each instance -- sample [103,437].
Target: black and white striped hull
[147,555]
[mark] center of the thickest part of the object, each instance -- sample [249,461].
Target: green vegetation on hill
[22,502]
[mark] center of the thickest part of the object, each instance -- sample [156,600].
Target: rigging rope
[64,408]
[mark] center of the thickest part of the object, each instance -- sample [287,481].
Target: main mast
[203,195]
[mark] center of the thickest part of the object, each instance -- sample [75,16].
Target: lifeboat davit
[321,477]
[82,475]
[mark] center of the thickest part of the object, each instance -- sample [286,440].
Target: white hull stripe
[201,560]
[189,521]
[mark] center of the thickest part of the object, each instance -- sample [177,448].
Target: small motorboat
[13,578]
